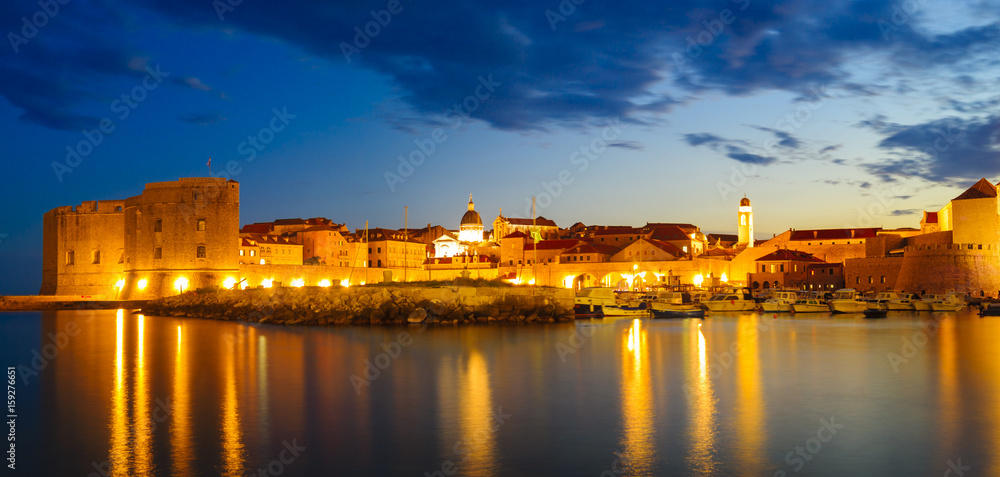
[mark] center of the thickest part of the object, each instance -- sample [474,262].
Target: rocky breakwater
[374,305]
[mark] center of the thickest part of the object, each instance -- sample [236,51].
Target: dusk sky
[826,114]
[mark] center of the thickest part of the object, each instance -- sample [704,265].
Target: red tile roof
[931,218]
[786,254]
[833,234]
[540,221]
[667,247]
[257,228]
[617,230]
[671,232]
[980,190]
[270,239]
[517,234]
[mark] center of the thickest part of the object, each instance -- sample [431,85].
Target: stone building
[174,236]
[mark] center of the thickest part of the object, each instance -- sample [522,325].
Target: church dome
[471,218]
[744,202]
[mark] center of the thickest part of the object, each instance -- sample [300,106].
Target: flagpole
[209,166]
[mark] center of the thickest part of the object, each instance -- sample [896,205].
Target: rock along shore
[374,305]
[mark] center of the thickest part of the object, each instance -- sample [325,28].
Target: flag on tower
[209,162]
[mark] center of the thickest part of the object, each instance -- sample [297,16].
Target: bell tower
[745,229]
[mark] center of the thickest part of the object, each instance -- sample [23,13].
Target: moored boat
[882,298]
[904,302]
[780,302]
[991,309]
[675,305]
[811,305]
[952,301]
[590,302]
[731,299]
[847,300]
[924,303]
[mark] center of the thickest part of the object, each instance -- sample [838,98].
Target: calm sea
[117,393]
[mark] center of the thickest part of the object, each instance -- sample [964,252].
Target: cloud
[901,212]
[734,149]
[943,150]
[785,139]
[631,59]
[830,148]
[630,145]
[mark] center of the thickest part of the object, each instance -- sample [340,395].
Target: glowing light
[180,284]
[347,282]
[229,283]
[262,261]
[244,284]
[120,284]
[531,282]
[298,282]
[141,284]
[698,280]
[568,281]
[267,282]
[724,278]
[324,283]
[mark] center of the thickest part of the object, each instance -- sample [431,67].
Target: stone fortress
[185,235]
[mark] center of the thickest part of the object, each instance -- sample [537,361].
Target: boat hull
[848,306]
[776,307]
[811,308]
[921,306]
[729,305]
[946,306]
[691,312]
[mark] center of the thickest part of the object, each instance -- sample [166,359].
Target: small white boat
[847,300]
[950,302]
[882,298]
[811,305]
[780,302]
[731,299]
[924,303]
[676,305]
[590,302]
[905,302]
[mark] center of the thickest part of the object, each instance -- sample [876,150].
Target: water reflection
[750,412]
[702,403]
[119,445]
[466,396]
[232,434]
[180,411]
[638,419]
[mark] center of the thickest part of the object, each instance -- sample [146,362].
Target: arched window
[756,285]
[201,251]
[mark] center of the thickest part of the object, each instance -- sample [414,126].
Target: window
[857,280]
[157,253]
[870,280]
[268,250]
[241,252]
[95,257]
[378,250]
[158,225]
[201,251]
[118,208]
[70,257]
[201,225]
[197,195]
[121,256]
[782,267]
[882,279]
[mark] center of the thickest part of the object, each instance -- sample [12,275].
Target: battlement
[950,248]
[91,207]
[190,181]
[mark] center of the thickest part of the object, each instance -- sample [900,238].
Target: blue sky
[826,114]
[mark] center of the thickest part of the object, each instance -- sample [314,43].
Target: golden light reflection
[180,412]
[232,435]
[264,400]
[638,418]
[702,414]
[181,284]
[346,282]
[120,449]
[142,451]
[477,424]
[325,283]
[141,284]
[750,413]
[466,410]
[949,387]
[267,282]
[229,283]
[298,282]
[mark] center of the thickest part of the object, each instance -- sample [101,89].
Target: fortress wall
[179,206]
[943,267]
[976,220]
[864,274]
[82,249]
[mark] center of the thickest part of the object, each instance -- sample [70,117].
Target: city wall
[373,305]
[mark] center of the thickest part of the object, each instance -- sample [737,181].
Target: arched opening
[767,285]
[756,285]
[775,285]
[583,281]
